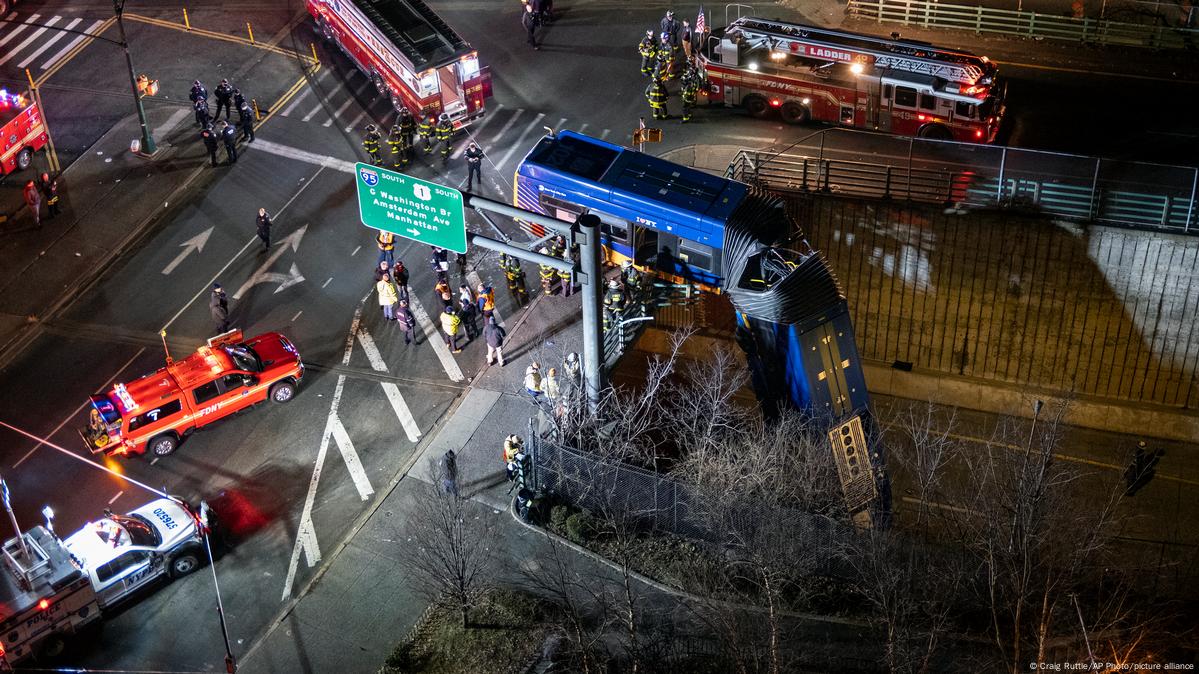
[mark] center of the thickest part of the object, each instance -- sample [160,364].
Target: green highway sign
[410,207]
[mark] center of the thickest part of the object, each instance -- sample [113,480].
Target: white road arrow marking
[263,276]
[389,388]
[194,244]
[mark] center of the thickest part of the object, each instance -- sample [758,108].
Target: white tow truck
[53,587]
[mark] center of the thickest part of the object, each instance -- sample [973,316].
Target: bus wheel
[24,159]
[794,113]
[163,445]
[757,106]
[935,132]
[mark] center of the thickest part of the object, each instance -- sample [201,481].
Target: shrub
[579,527]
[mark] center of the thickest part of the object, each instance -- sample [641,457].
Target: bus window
[646,248]
[696,254]
[964,110]
[905,96]
[614,228]
[557,208]
[928,102]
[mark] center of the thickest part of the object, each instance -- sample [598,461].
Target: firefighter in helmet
[370,143]
[547,273]
[613,304]
[689,92]
[399,153]
[666,56]
[408,131]
[425,129]
[445,130]
[516,279]
[648,48]
[656,94]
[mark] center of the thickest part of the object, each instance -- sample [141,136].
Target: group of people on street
[45,189]
[628,290]
[552,278]
[660,61]
[432,130]
[548,389]
[228,98]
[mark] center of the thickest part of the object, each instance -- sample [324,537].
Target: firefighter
[547,273]
[689,93]
[516,279]
[565,277]
[513,445]
[666,56]
[613,304]
[370,143]
[224,99]
[633,284]
[49,188]
[209,138]
[655,93]
[408,131]
[399,152]
[445,130]
[648,49]
[426,132]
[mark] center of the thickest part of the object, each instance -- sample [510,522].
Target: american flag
[701,26]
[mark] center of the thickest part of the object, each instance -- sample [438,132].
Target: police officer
[229,137]
[655,93]
[224,99]
[547,273]
[613,304]
[203,114]
[516,279]
[246,122]
[198,91]
[425,129]
[399,153]
[209,138]
[445,130]
[474,165]
[264,228]
[689,93]
[408,131]
[239,101]
[648,49]
[370,143]
[670,27]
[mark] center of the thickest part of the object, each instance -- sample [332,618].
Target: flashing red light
[978,133]
[43,604]
[921,117]
[774,103]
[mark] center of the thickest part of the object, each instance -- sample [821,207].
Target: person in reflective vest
[49,188]
[486,299]
[547,273]
[648,49]
[425,129]
[655,93]
[445,130]
[666,56]
[408,131]
[387,243]
[516,279]
[370,143]
[613,304]
[689,93]
[399,153]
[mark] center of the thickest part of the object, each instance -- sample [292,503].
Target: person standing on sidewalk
[218,306]
[406,321]
[264,229]
[494,333]
[533,380]
[209,138]
[551,388]
[449,472]
[33,199]
[516,279]
[450,323]
[474,165]
[49,188]
[468,311]
[387,297]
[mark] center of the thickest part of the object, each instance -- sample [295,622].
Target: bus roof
[416,30]
[647,189]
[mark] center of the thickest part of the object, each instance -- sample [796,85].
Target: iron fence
[1139,195]
[979,19]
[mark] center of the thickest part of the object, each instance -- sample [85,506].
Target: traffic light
[647,136]
[146,86]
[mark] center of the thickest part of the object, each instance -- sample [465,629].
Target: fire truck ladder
[953,66]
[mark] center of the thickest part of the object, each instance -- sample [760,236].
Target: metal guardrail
[978,19]
[1138,195]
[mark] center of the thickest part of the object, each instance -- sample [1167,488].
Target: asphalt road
[313,285]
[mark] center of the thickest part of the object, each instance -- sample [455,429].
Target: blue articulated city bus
[682,224]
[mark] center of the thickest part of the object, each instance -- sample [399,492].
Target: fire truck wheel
[380,86]
[283,392]
[163,445]
[184,562]
[24,158]
[757,106]
[397,102]
[935,132]
[794,113]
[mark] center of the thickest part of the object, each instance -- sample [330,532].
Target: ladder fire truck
[816,74]
[410,55]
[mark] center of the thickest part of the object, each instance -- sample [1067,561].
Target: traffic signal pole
[147,142]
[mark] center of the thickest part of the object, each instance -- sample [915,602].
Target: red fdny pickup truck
[22,132]
[226,375]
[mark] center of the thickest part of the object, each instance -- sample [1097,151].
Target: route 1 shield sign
[415,209]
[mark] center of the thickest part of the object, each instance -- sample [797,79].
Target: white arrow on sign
[196,243]
[413,231]
[285,280]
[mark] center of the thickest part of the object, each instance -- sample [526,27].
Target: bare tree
[452,547]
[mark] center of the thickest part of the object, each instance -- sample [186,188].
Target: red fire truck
[808,73]
[22,132]
[410,54]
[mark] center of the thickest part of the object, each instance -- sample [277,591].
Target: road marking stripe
[354,253]
[293,318]
[561,125]
[91,31]
[472,277]
[583,129]
[473,134]
[519,140]
[433,336]
[174,119]
[58,35]
[73,49]
[389,388]
[81,407]
[17,31]
[337,113]
[114,499]
[353,462]
[508,124]
[295,101]
[354,122]
[321,160]
[328,280]
[12,54]
[605,134]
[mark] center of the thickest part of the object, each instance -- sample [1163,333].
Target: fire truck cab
[410,54]
[226,375]
[22,132]
[817,74]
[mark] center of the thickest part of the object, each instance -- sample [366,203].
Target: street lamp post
[147,142]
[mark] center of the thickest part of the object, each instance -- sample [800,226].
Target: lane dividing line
[433,336]
[520,141]
[114,499]
[407,420]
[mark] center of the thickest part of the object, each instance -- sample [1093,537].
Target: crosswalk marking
[337,113]
[17,31]
[433,337]
[499,165]
[473,134]
[58,35]
[508,124]
[304,156]
[354,122]
[389,388]
[296,101]
[31,38]
[70,45]
[353,462]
